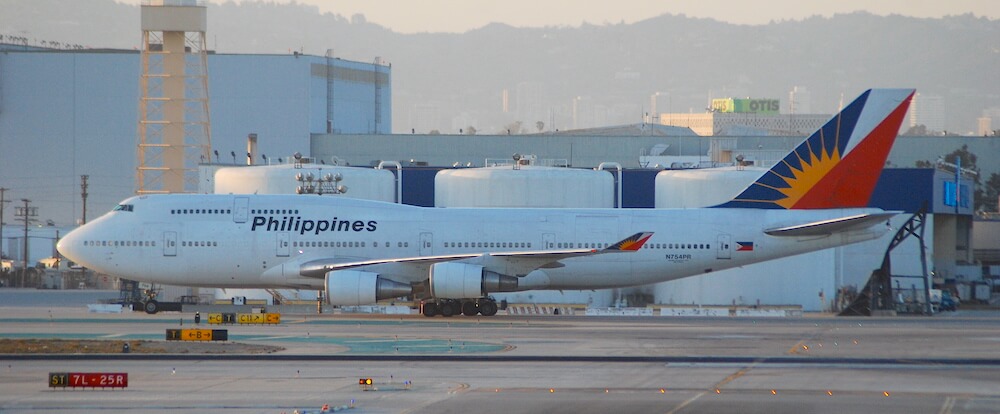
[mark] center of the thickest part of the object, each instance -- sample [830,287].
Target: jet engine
[459,280]
[353,288]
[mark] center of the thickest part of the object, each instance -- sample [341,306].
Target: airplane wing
[509,263]
[831,226]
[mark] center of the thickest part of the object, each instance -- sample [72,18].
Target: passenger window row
[200,211]
[199,244]
[119,243]
[347,244]
[265,211]
[488,245]
[678,246]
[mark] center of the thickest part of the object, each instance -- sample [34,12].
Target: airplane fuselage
[263,240]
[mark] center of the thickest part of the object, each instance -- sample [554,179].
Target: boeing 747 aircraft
[452,259]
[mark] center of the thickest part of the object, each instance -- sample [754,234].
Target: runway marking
[462,387]
[686,403]
[949,403]
[736,375]
[795,348]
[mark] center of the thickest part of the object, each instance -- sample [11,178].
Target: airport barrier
[619,312]
[88,380]
[693,311]
[104,308]
[197,335]
[377,309]
[732,311]
[543,309]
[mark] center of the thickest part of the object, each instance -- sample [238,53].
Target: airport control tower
[174,127]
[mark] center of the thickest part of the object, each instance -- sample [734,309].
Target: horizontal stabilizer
[828,227]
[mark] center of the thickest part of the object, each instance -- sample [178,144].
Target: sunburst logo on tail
[809,173]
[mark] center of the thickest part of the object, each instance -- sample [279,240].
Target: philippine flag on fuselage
[744,246]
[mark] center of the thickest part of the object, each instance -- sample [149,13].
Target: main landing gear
[467,307]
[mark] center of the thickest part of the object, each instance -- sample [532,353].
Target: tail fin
[838,165]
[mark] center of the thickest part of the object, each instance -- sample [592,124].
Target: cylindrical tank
[364,183]
[528,186]
[703,187]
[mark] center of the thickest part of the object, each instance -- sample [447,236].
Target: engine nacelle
[459,280]
[354,288]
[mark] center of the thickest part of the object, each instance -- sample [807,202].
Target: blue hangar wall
[900,189]
[67,113]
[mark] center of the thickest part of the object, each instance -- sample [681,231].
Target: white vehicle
[453,258]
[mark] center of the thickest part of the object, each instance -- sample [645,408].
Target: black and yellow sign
[197,335]
[258,318]
[221,318]
[244,318]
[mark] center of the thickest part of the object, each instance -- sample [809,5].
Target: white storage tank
[702,187]
[363,183]
[527,186]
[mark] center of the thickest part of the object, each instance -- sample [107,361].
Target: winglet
[630,243]
[838,165]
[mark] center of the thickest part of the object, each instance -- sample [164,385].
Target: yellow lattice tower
[174,128]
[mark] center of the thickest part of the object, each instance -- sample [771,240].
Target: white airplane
[452,259]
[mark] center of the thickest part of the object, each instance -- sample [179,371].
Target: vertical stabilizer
[838,165]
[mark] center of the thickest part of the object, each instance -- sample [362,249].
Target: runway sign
[258,318]
[221,318]
[88,380]
[197,335]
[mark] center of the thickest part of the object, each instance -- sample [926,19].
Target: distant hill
[595,75]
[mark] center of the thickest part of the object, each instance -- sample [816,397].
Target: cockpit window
[123,207]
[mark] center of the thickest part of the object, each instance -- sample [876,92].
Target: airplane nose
[69,246]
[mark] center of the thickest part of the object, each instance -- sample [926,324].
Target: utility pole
[83,194]
[26,213]
[2,202]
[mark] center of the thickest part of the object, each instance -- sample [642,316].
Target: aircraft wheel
[469,308]
[430,309]
[448,309]
[488,308]
[151,307]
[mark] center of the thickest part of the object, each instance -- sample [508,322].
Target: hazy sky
[409,16]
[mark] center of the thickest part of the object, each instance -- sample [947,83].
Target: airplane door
[426,244]
[282,244]
[241,209]
[724,248]
[170,243]
[548,241]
